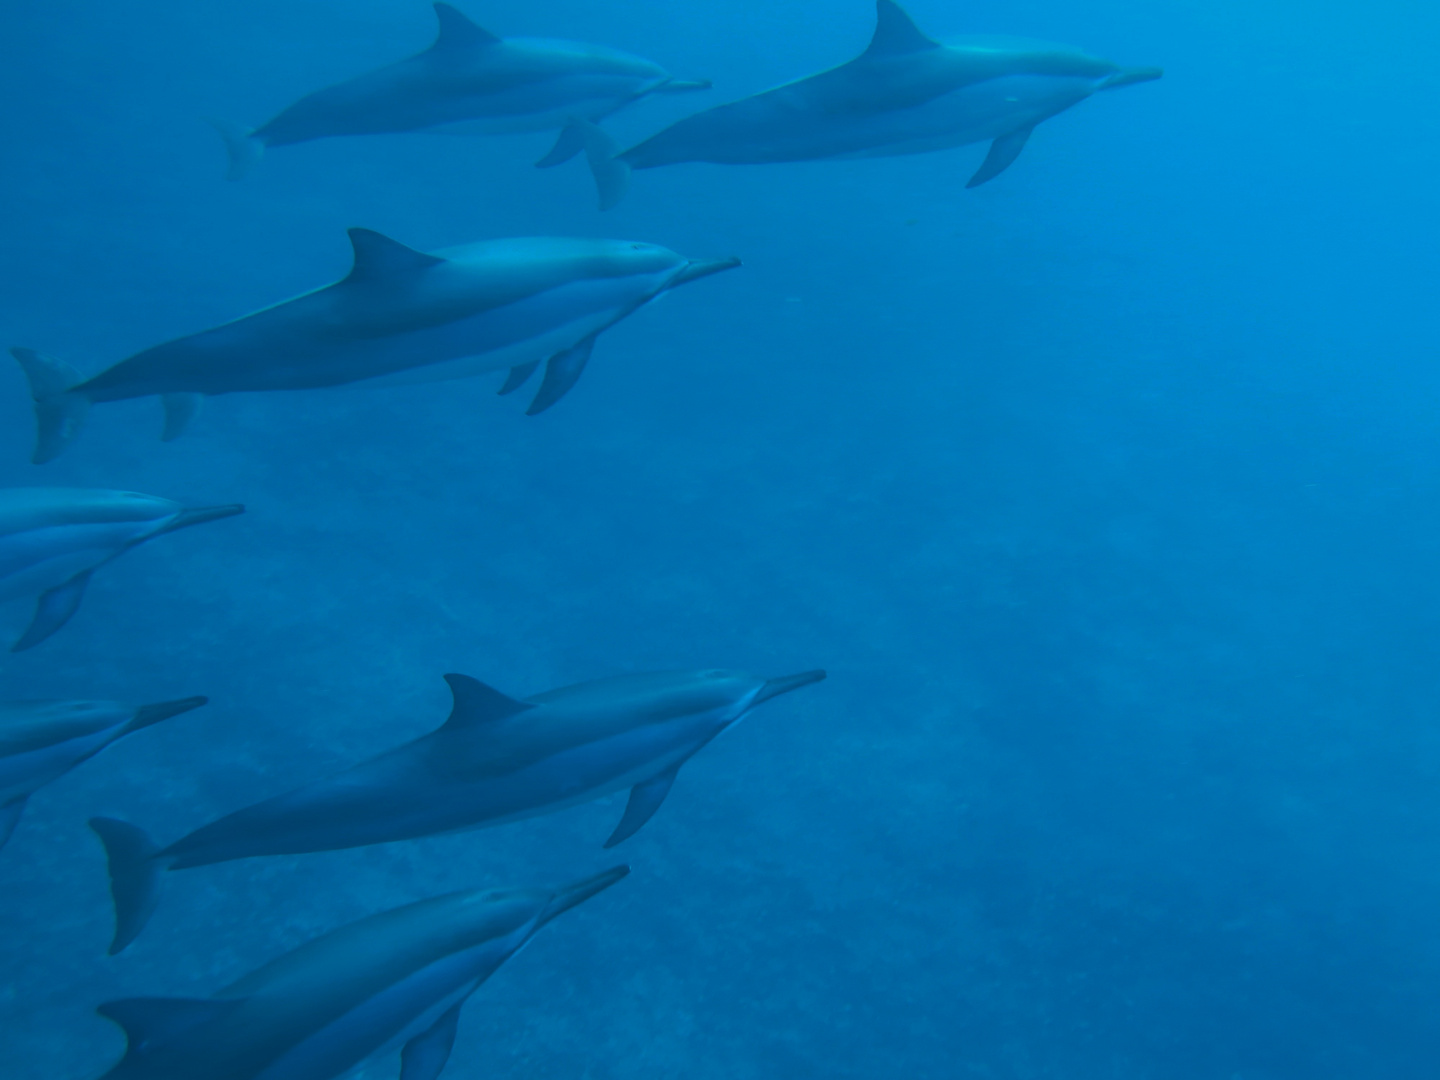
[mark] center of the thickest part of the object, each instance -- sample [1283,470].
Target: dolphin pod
[41,741]
[905,94]
[394,980]
[469,82]
[53,539]
[496,759]
[399,316]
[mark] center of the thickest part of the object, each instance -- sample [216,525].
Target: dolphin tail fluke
[10,817]
[562,371]
[611,172]
[569,143]
[1131,76]
[244,149]
[163,710]
[53,610]
[1003,152]
[134,877]
[424,1056]
[645,799]
[58,412]
[577,892]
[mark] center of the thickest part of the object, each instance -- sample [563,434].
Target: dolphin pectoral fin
[163,710]
[426,1054]
[378,258]
[896,33]
[611,172]
[518,377]
[58,412]
[458,32]
[179,410]
[476,703]
[147,1021]
[245,151]
[53,610]
[569,143]
[561,373]
[645,799]
[134,877]
[10,817]
[1003,152]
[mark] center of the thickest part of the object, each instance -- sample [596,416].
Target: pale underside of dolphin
[52,540]
[906,94]
[495,760]
[396,980]
[469,82]
[40,741]
[400,315]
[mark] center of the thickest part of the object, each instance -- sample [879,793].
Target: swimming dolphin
[399,316]
[495,760]
[394,980]
[906,94]
[41,741]
[469,82]
[53,539]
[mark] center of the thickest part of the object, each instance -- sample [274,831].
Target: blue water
[1108,493]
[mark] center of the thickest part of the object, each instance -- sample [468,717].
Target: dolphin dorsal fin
[150,1020]
[476,703]
[378,258]
[458,32]
[896,32]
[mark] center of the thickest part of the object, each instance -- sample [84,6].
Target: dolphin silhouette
[469,82]
[53,539]
[906,94]
[400,315]
[495,760]
[395,980]
[41,741]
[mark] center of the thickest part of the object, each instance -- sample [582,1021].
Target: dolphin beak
[1131,76]
[576,893]
[198,515]
[700,268]
[164,710]
[775,687]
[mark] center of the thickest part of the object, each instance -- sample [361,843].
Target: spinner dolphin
[396,980]
[468,82]
[41,741]
[400,315]
[906,94]
[53,539]
[496,759]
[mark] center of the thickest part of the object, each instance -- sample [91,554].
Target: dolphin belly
[396,1014]
[39,559]
[544,106]
[22,774]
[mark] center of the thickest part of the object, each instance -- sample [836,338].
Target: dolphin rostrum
[905,94]
[396,980]
[496,759]
[41,741]
[400,315]
[53,539]
[469,82]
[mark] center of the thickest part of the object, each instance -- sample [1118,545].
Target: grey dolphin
[53,539]
[41,741]
[394,980]
[400,315]
[496,759]
[468,82]
[906,94]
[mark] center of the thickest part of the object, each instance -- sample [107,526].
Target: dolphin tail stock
[1131,76]
[134,876]
[773,688]
[59,411]
[610,170]
[53,610]
[244,149]
[163,710]
[577,892]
